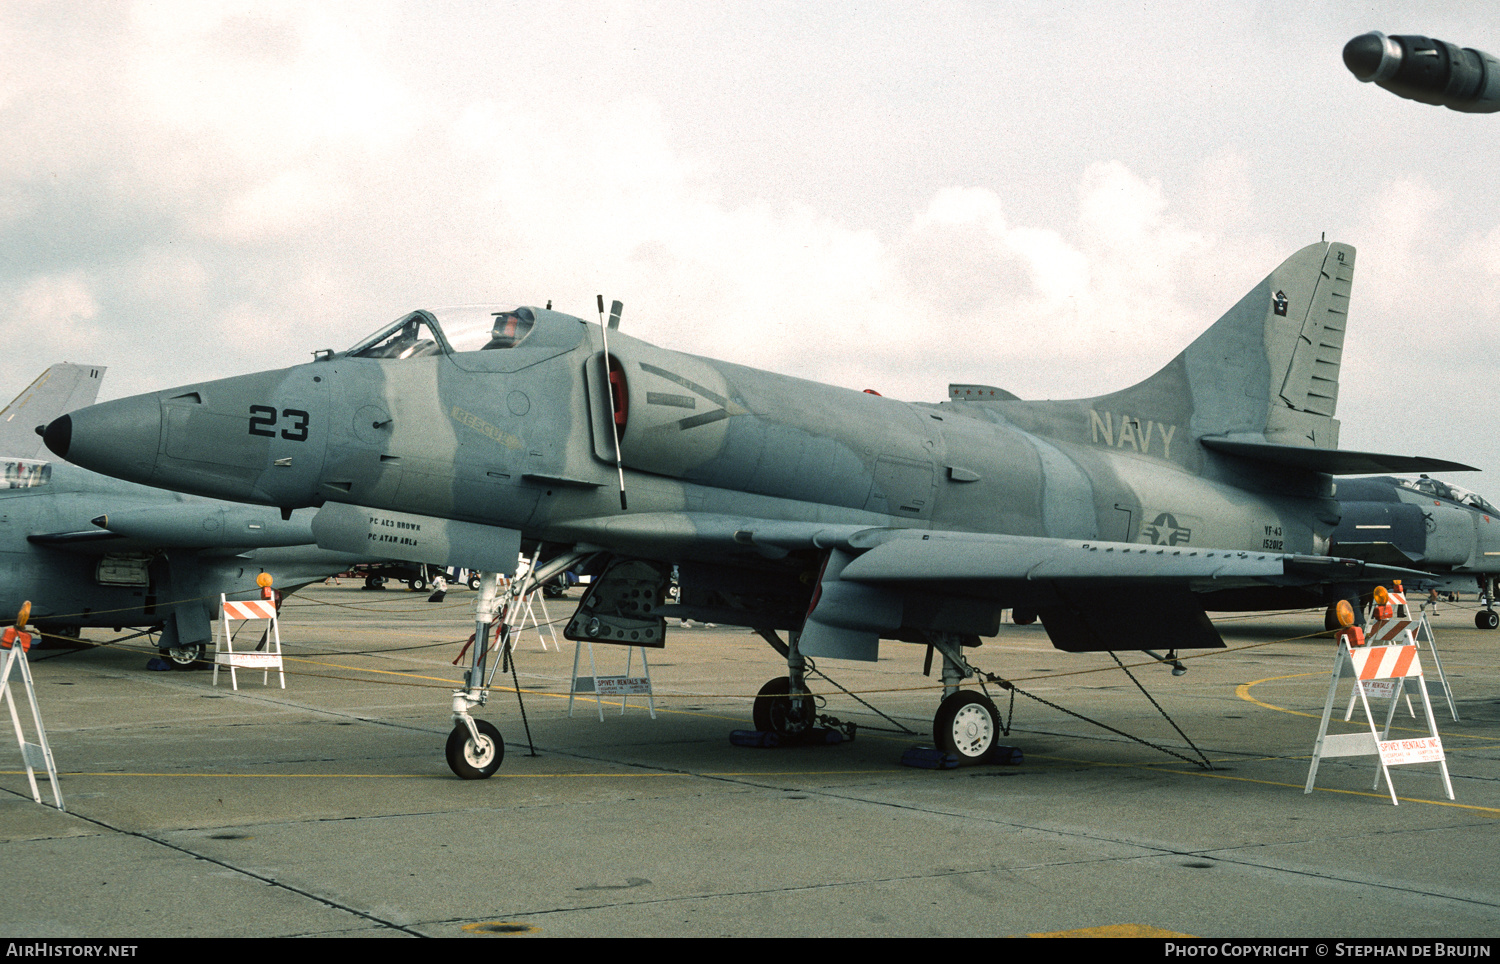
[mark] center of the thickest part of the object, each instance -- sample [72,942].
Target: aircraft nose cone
[58,435]
[1363,55]
[117,438]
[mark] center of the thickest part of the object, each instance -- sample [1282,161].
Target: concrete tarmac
[326,809]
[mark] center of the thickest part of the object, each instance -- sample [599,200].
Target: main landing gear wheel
[1487,619]
[184,657]
[1022,617]
[965,726]
[419,584]
[475,761]
[774,711]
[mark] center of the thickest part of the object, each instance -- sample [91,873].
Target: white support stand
[265,659]
[1424,626]
[528,615]
[601,686]
[1371,664]
[36,755]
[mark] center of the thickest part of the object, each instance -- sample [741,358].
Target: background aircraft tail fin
[1268,370]
[63,388]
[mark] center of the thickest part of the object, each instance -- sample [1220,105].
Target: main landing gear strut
[784,706]
[967,724]
[1487,618]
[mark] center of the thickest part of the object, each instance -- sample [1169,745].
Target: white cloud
[309,170]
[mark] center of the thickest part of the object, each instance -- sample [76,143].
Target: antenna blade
[614,313]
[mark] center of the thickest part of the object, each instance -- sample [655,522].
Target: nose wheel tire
[1486,619]
[966,726]
[185,657]
[471,760]
[774,711]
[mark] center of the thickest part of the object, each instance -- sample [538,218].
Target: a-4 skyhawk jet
[841,517]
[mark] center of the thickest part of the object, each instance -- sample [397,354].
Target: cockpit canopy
[24,473]
[1443,490]
[448,330]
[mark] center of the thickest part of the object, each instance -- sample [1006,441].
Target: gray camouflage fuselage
[755,483]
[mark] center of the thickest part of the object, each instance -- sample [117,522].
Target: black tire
[774,711]
[967,726]
[1022,617]
[1486,619]
[187,657]
[418,584]
[473,582]
[473,762]
[1331,619]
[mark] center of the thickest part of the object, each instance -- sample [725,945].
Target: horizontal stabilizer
[1331,461]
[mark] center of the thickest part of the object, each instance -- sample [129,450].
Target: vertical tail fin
[1269,368]
[60,389]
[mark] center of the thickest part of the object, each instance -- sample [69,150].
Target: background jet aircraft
[786,505]
[1445,530]
[88,550]
[1427,70]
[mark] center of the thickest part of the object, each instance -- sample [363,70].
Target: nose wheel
[475,758]
[965,726]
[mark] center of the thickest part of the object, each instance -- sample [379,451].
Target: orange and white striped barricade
[1390,625]
[266,655]
[37,756]
[1370,664]
[1404,629]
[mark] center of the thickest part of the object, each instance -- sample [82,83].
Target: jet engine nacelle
[1426,70]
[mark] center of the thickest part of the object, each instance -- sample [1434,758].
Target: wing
[899,583]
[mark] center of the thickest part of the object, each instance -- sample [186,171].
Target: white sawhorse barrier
[266,655]
[38,755]
[1366,665]
[1403,629]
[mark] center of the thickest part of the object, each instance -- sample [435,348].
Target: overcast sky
[1053,198]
